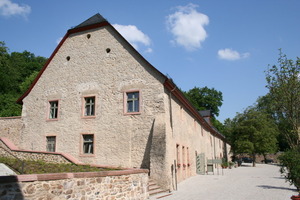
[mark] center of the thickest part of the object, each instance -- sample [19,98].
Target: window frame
[55,142]
[49,110]
[84,106]
[82,143]
[126,102]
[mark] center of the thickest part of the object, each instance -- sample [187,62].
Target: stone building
[100,101]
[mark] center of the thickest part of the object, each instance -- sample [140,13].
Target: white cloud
[229,54]
[187,26]
[58,40]
[8,8]
[134,36]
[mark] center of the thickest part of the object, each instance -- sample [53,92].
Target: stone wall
[186,138]
[110,185]
[50,157]
[11,127]
[120,138]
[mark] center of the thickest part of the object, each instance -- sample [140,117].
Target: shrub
[290,166]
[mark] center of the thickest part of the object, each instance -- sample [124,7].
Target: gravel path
[263,182]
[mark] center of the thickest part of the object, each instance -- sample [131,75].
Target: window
[178,154]
[88,144]
[53,109]
[188,156]
[89,106]
[133,102]
[183,156]
[51,143]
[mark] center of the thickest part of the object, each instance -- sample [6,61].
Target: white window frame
[134,100]
[88,108]
[51,143]
[53,110]
[88,145]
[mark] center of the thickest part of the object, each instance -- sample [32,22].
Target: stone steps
[156,191]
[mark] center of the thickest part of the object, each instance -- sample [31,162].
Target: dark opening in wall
[88,36]
[107,50]
[68,58]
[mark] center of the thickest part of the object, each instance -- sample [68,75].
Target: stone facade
[11,127]
[130,184]
[5,151]
[164,136]
[120,139]
[187,138]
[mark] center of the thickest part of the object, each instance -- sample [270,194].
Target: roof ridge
[95,19]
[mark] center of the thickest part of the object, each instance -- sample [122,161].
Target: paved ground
[5,171]
[263,182]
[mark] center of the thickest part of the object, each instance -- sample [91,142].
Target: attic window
[88,36]
[68,58]
[107,50]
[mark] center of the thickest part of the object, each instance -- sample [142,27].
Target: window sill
[51,120]
[87,155]
[88,117]
[132,113]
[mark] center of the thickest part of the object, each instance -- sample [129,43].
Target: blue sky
[226,45]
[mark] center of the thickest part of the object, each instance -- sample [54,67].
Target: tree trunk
[253,159]
[265,157]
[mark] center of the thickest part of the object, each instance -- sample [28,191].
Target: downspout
[215,157]
[173,167]
[170,108]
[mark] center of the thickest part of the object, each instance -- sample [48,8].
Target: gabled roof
[92,20]
[98,21]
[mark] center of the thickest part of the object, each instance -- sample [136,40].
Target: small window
[89,106]
[53,112]
[183,156]
[88,144]
[133,102]
[178,154]
[51,143]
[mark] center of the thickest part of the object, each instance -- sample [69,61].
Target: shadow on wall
[146,159]
[10,188]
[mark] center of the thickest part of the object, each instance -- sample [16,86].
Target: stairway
[155,192]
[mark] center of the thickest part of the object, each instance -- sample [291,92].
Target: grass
[41,167]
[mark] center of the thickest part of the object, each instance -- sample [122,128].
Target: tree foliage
[290,161]
[205,99]
[284,96]
[17,71]
[252,132]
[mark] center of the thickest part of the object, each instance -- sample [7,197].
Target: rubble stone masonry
[110,185]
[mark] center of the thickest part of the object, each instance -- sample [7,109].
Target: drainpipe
[215,157]
[170,108]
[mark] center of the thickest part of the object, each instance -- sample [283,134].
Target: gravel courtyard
[263,182]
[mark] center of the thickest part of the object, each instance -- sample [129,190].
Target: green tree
[290,166]
[284,94]
[207,99]
[28,81]
[17,71]
[284,90]
[7,73]
[252,132]
[265,104]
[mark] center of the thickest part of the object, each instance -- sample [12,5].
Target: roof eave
[178,94]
